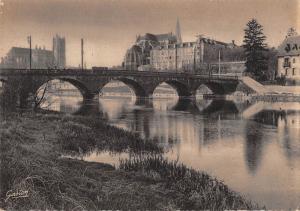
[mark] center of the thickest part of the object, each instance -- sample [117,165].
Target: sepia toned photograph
[149,105]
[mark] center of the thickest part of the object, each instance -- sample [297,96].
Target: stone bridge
[90,82]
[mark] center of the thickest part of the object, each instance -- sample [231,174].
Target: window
[286,71]
[294,60]
[293,71]
[286,62]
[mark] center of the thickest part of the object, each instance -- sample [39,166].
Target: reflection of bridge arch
[201,105]
[206,107]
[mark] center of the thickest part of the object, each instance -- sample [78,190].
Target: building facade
[181,57]
[167,52]
[20,58]
[133,58]
[198,57]
[40,57]
[289,60]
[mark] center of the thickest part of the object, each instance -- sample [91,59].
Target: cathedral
[41,58]
[167,52]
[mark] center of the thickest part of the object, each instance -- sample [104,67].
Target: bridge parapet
[75,72]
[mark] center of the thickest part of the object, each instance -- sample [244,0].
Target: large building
[40,57]
[139,55]
[289,60]
[167,52]
[20,58]
[198,56]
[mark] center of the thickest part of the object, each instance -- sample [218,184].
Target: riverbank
[35,175]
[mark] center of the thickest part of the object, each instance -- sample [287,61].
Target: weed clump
[76,137]
[81,135]
[197,190]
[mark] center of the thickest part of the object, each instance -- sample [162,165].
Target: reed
[197,189]
[77,135]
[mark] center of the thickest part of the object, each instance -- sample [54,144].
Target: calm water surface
[253,147]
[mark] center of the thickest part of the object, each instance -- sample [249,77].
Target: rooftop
[167,36]
[19,50]
[290,46]
[157,37]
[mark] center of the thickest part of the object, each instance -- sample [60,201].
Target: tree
[255,50]
[39,97]
[272,63]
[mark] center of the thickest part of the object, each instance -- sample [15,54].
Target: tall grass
[81,136]
[197,190]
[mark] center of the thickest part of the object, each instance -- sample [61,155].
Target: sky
[110,27]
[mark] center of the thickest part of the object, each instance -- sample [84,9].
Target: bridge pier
[89,96]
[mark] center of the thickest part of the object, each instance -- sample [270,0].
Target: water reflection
[63,103]
[253,147]
[218,137]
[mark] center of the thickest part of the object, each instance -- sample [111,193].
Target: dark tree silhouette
[255,50]
[272,63]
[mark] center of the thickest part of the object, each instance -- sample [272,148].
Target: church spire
[178,32]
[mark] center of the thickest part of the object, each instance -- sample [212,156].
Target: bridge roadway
[90,82]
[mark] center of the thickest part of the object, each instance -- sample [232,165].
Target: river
[254,147]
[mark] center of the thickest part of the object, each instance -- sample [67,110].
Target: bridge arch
[216,88]
[203,89]
[85,92]
[165,89]
[181,88]
[81,87]
[135,86]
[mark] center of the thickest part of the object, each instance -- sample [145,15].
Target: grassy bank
[31,163]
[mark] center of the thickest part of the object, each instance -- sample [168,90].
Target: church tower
[178,32]
[59,51]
